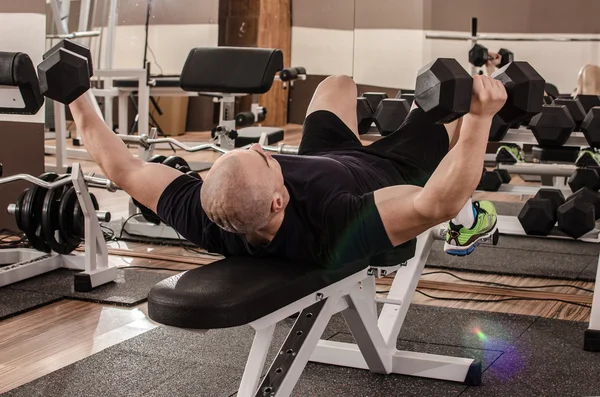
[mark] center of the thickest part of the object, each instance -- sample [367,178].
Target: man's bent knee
[339,83]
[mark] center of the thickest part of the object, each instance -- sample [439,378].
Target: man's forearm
[459,173]
[105,148]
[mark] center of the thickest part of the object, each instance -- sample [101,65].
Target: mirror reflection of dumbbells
[386,113]
[479,56]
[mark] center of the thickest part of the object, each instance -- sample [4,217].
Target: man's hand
[493,62]
[489,95]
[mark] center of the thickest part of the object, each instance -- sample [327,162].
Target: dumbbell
[498,129]
[444,89]
[364,115]
[588,101]
[552,126]
[584,177]
[366,105]
[65,71]
[578,215]
[390,114]
[591,127]
[574,108]
[538,215]
[478,56]
[491,181]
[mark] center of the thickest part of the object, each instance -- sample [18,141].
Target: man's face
[261,165]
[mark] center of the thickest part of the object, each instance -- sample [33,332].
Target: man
[336,202]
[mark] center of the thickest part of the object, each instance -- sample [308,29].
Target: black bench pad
[238,290]
[231,69]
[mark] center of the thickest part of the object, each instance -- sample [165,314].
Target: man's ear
[277,203]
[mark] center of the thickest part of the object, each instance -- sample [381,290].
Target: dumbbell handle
[103,216]
[281,149]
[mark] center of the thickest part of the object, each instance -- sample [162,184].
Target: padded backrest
[16,70]
[231,69]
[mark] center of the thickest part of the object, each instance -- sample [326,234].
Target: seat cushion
[237,290]
[231,69]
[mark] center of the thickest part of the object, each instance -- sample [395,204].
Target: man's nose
[256,147]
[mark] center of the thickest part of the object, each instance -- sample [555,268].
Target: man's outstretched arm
[144,181]
[407,211]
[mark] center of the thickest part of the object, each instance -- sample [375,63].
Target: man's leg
[337,94]
[331,121]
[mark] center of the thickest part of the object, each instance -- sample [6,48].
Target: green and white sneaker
[588,157]
[462,241]
[510,153]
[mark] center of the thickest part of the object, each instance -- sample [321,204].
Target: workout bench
[261,292]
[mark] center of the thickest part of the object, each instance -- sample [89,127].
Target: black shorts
[418,142]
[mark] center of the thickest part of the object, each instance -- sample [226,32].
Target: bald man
[337,201]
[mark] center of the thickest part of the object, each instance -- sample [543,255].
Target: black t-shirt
[331,218]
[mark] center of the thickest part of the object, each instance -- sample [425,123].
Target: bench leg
[256,361]
[297,348]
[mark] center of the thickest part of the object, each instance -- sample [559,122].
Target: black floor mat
[521,356]
[130,288]
[13,302]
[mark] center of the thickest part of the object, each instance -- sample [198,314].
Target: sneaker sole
[467,249]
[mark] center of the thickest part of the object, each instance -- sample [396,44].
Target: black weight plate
[50,221]
[157,158]
[18,209]
[31,213]
[68,201]
[176,162]
[79,219]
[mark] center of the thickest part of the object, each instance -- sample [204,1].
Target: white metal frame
[376,337]
[24,263]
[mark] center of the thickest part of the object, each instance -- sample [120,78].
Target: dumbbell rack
[19,264]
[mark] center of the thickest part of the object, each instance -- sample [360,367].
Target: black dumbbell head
[588,101]
[478,55]
[443,90]
[77,49]
[490,181]
[525,89]
[506,57]
[588,196]
[552,126]
[390,114]
[554,195]
[64,76]
[374,98]
[537,217]
[574,108]
[584,177]
[498,129]
[300,69]
[591,127]
[576,217]
[364,114]
[504,174]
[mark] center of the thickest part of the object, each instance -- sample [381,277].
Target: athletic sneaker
[510,153]
[462,241]
[588,157]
